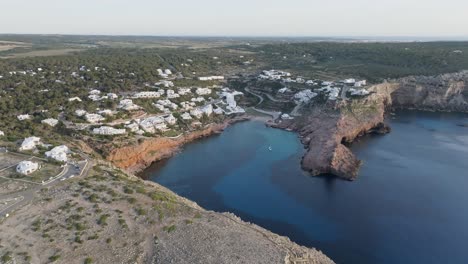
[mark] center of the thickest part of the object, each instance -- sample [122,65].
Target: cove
[408,205]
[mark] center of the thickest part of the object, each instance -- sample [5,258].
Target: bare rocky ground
[110,217]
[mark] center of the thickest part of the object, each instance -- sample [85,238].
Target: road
[273,114]
[25,197]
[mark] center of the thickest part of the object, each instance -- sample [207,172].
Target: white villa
[186,116]
[197,113]
[27,167]
[127,104]
[2,133]
[94,118]
[147,95]
[304,96]
[211,78]
[171,120]
[358,92]
[50,121]
[30,143]
[106,112]
[80,112]
[133,127]
[58,153]
[165,83]
[107,130]
[151,124]
[23,117]
[283,90]
[184,91]
[273,75]
[203,91]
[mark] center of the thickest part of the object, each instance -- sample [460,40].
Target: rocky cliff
[326,129]
[447,92]
[139,155]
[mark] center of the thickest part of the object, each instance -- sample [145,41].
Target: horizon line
[360,37]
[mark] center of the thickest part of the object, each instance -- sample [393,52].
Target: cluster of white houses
[27,167]
[330,89]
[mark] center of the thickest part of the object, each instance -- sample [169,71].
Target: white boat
[270,148]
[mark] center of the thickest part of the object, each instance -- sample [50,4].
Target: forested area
[372,61]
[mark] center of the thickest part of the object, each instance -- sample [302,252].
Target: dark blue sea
[408,205]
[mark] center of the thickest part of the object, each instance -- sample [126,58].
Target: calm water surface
[409,204]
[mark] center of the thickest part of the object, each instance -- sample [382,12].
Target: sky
[430,18]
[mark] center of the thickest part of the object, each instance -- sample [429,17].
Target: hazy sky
[237,17]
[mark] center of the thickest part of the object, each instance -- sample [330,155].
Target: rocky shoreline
[327,129]
[139,156]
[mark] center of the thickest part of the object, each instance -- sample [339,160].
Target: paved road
[273,114]
[25,197]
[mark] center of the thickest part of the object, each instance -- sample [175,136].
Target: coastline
[136,158]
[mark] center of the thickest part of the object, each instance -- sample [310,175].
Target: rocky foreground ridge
[326,129]
[109,216]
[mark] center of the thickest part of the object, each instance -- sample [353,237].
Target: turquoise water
[409,204]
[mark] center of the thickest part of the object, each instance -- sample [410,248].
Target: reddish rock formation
[326,127]
[139,156]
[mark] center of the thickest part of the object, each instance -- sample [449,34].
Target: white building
[349,81]
[80,112]
[30,143]
[360,83]
[58,153]
[358,92]
[171,120]
[184,91]
[197,99]
[231,101]
[197,113]
[127,104]
[50,121]
[286,117]
[151,124]
[94,97]
[106,112]
[24,117]
[304,96]
[147,95]
[273,75]
[165,83]
[333,92]
[94,118]
[2,133]
[95,92]
[203,91]
[186,116]
[107,130]
[283,90]
[133,127]
[211,78]
[112,96]
[27,167]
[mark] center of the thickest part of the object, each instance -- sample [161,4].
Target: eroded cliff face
[140,155]
[325,129]
[447,92]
